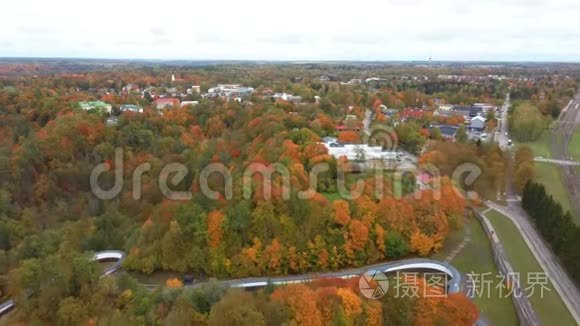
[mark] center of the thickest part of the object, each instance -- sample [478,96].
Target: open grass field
[550,309]
[541,147]
[477,257]
[549,175]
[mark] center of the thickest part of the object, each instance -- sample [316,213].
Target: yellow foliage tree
[351,303]
[421,243]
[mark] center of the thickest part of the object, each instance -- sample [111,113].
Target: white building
[194,89]
[287,97]
[360,152]
[131,108]
[477,123]
[192,103]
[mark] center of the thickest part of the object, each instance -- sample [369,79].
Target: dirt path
[461,245]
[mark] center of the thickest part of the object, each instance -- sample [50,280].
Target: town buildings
[230,91]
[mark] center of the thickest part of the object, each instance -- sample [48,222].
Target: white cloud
[297,30]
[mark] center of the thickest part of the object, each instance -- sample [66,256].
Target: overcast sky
[513,30]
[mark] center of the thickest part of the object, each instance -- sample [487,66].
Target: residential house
[194,90]
[163,103]
[130,88]
[412,113]
[98,106]
[477,123]
[287,97]
[485,107]
[448,132]
[468,112]
[268,91]
[373,79]
[192,103]
[131,108]
[352,82]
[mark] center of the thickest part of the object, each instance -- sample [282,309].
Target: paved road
[367,122]
[526,313]
[501,136]
[551,265]
[556,161]
[561,135]
[547,260]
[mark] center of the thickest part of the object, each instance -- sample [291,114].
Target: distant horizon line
[288,60]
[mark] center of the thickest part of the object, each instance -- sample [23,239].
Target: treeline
[527,122]
[555,225]
[548,93]
[487,161]
[524,170]
[465,92]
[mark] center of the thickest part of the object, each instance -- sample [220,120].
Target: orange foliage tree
[273,256]
[351,303]
[359,234]
[302,302]
[349,137]
[450,309]
[373,312]
[174,283]
[214,227]
[341,212]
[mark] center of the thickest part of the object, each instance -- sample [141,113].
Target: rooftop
[356,152]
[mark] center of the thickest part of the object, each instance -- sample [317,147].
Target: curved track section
[455,284]
[101,256]
[110,255]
